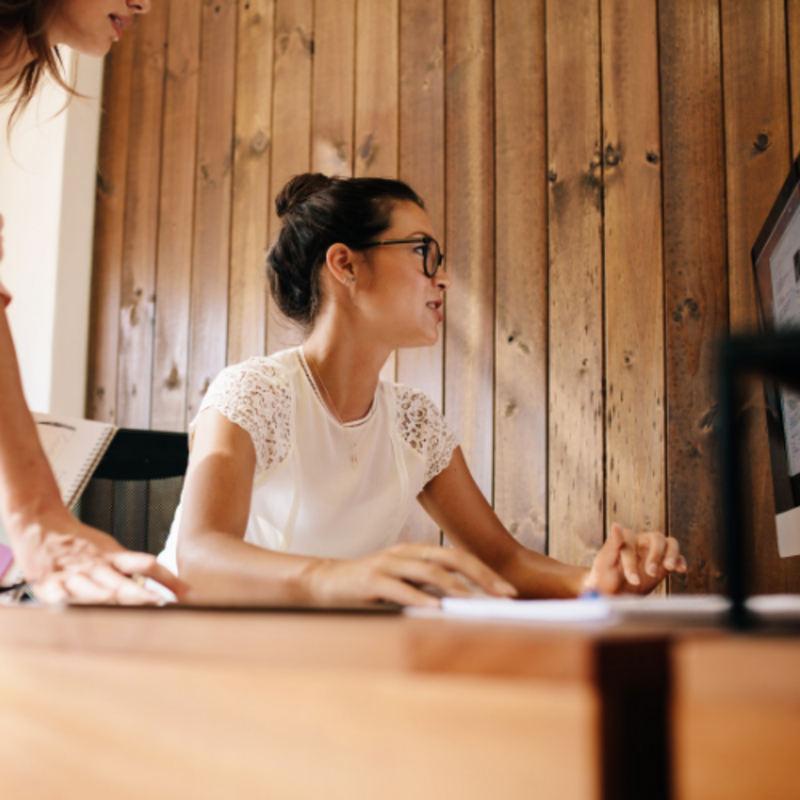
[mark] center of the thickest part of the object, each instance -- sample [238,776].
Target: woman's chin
[429,340]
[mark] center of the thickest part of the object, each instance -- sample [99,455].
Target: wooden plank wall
[597,171]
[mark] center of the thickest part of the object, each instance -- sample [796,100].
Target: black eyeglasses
[432,255]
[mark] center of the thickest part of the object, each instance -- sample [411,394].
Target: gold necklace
[331,406]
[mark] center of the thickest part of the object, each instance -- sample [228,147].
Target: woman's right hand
[397,573]
[66,561]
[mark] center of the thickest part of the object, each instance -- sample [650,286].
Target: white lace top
[310,496]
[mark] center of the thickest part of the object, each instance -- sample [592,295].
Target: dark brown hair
[317,212]
[24,25]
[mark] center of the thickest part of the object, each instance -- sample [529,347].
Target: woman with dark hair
[63,559]
[305,464]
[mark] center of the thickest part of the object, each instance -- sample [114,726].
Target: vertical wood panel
[112,163]
[421,164]
[521,223]
[634,287]
[469,345]
[176,217]
[377,100]
[247,307]
[556,258]
[422,155]
[793,39]
[758,158]
[695,279]
[576,281]
[210,273]
[291,121]
[332,104]
[141,221]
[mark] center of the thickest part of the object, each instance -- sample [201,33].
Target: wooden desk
[119,703]
[737,718]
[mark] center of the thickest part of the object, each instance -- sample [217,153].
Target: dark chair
[136,488]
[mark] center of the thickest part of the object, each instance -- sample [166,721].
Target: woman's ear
[339,262]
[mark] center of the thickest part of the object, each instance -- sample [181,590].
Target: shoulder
[411,406]
[423,427]
[266,374]
[256,396]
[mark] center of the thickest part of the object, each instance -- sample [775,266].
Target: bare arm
[627,562]
[65,559]
[220,565]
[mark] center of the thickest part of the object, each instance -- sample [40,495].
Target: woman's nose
[442,279]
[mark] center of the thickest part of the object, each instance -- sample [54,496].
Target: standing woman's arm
[65,559]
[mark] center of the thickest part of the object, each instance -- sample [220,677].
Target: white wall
[47,191]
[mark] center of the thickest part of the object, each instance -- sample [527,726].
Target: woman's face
[394,291]
[92,26]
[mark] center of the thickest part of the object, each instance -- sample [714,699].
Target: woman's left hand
[634,562]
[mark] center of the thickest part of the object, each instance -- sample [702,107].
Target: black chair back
[136,488]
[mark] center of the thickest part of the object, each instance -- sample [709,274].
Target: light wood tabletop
[213,704]
[119,703]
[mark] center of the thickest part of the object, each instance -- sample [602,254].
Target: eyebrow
[418,233]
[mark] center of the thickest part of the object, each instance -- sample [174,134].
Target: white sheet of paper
[788,532]
[589,610]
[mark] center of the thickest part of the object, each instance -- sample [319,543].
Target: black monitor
[776,261]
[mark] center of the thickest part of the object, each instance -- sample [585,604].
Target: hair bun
[299,189]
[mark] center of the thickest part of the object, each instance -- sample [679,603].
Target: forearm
[28,489]
[537,576]
[456,504]
[221,567]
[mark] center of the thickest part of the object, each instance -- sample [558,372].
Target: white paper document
[588,610]
[683,609]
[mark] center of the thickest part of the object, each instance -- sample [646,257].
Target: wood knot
[613,155]
[652,158]
[306,41]
[173,380]
[104,186]
[259,143]
[365,152]
[762,142]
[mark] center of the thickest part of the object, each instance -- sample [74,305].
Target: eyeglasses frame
[426,240]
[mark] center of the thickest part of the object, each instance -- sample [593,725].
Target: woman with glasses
[305,465]
[60,557]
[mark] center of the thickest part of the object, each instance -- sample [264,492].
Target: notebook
[74,448]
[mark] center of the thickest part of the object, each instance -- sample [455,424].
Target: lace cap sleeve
[423,427]
[255,395]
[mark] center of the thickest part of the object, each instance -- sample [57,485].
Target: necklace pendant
[353,460]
